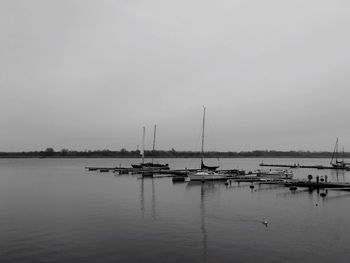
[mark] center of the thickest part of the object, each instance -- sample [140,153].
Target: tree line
[123,153]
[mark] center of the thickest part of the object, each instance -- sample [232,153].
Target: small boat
[206,175]
[275,174]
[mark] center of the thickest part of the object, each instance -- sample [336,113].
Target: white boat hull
[206,176]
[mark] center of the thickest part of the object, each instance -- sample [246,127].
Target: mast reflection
[205,189]
[143,199]
[203,214]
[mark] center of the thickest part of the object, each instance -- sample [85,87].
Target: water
[52,210]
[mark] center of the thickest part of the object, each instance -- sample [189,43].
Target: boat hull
[206,177]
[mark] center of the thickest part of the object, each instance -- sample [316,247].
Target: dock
[320,185]
[236,176]
[319,167]
[127,170]
[175,172]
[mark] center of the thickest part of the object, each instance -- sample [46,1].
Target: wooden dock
[320,167]
[177,172]
[126,170]
[319,185]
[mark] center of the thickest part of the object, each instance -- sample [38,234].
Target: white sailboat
[338,164]
[206,172]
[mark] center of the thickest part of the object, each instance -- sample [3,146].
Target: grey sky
[89,74]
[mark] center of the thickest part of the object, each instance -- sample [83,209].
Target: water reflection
[338,196]
[202,214]
[338,175]
[154,214]
[205,189]
[153,197]
[262,188]
[142,197]
[290,193]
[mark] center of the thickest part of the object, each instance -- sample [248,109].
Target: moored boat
[152,165]
[206,172]
[149,165]
[206,175]
[338,164]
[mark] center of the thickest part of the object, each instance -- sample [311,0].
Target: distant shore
[51,153]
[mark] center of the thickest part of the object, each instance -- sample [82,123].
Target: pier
[235,176]
[319,167]
[176,172]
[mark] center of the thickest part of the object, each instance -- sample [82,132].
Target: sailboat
[206,172]
[139,166]
[338,164]
[150,165]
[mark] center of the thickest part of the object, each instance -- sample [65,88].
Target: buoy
[226,183]
[293,188]
[251,186]
[323,194]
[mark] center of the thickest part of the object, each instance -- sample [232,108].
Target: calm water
[55,211]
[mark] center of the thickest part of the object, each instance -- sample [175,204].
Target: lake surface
[52,210]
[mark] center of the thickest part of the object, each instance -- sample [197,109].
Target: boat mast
[143,145]
[335,152]
[202,154]
[154,141]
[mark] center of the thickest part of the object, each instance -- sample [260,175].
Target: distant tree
[49,151]
[64,152]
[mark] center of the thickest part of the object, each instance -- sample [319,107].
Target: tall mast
[143,145]
[335,151]
[154,141]
[202,155]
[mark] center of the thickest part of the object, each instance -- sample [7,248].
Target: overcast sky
[85,74]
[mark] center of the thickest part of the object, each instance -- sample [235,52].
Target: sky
[88,75]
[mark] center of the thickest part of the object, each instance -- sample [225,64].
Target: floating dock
[320,185]
[177,172]
[320,167]
[126,170]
